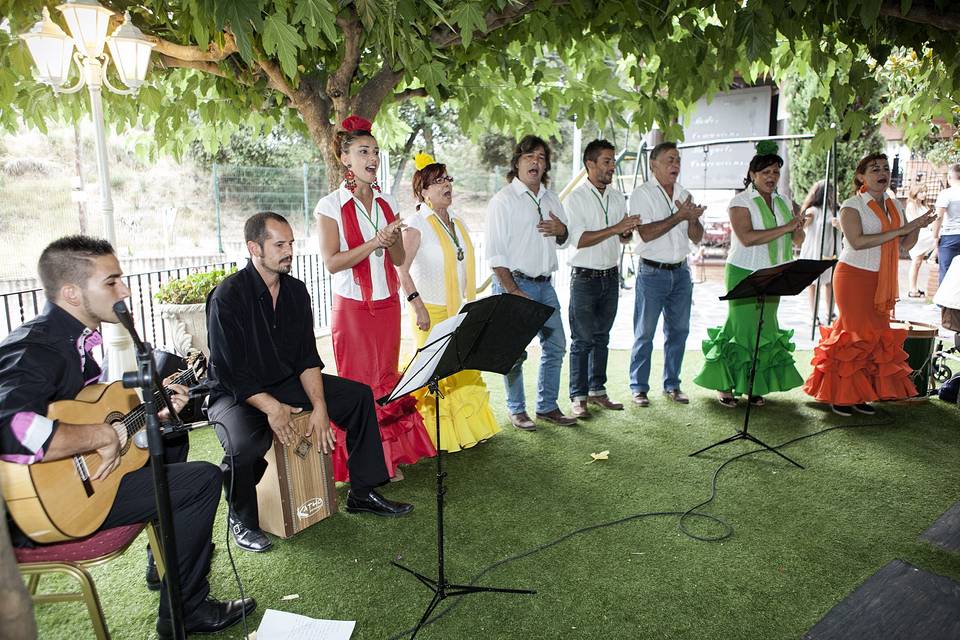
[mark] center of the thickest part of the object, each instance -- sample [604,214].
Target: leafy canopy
[507,65]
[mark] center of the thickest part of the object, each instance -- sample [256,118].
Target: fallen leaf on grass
[603,455]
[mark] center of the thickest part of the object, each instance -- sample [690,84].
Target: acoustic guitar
[57,501]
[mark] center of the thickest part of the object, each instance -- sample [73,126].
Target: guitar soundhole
[113,417]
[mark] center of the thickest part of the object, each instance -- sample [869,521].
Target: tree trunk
[16,610]
[404,157]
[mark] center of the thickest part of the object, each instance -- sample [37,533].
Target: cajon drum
[297,489]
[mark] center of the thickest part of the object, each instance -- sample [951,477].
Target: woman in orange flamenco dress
[860,359]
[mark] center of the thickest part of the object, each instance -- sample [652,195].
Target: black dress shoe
[375,503]
[211,616]
[249,539]
[153,577]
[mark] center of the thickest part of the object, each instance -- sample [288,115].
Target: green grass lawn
[802,540]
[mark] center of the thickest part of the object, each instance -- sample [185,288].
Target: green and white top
[762,217]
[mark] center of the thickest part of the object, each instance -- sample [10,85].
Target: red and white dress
[365,328]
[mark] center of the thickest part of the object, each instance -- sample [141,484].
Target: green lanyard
[453,236]
[781,245]
[376,210]
[670,205]
[605,207]
[536,202]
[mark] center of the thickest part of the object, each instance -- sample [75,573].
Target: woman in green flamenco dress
[765,230]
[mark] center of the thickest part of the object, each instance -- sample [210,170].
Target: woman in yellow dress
[438,276]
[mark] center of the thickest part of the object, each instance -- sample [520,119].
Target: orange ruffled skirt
[860,358]
[366,348]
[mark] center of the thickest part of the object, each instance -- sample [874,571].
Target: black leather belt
[523,276]
[662,265]
[584,272]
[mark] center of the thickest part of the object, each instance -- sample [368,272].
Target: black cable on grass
[681,525]
[233,565]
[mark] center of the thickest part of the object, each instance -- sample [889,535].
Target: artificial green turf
[802,539]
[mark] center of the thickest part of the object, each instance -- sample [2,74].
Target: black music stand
[787,279]
[488,335]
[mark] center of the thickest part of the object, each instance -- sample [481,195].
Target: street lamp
[53,51]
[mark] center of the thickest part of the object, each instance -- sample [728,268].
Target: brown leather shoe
[605,402]
[579,409]
[641,400]
[522,421]
[556,417]
[677,396]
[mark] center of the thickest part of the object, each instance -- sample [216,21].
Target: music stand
[787,279]
[487,335]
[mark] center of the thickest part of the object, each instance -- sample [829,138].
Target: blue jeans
[552,345]
[948,249]
[593,307]
[670,293]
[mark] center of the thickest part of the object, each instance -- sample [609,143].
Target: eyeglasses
[443,179]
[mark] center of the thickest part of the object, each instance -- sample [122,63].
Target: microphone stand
[145,377]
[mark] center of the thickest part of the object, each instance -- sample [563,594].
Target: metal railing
[20,306]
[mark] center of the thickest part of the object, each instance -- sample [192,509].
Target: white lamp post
[52,52]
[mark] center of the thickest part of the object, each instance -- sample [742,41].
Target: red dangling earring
[350,180]
[376,187]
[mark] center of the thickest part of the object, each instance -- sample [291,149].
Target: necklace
[536,202]
[453,235]
[374,224]
[603,205]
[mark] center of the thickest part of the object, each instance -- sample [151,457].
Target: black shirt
[44,360]
[254,346]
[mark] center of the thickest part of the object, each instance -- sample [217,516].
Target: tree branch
[923,13]
[338,84]
[206,67]
[275,79]
[213,53]
[406,94]
[443,36]
[370,98]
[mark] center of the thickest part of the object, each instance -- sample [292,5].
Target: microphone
[170,428]
[126,321]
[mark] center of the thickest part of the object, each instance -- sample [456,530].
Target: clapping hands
[688,210]
[390,234]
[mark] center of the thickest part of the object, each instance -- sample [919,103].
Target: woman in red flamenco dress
[360,240]
[860,359]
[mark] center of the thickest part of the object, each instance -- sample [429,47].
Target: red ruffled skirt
[860,358]
[366,348]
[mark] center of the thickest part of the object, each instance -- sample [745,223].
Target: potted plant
[182,307]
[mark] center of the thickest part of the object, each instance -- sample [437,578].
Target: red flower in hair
[356,123]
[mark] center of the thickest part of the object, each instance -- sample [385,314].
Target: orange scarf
[888,287]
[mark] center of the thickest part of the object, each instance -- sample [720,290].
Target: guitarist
[48,359]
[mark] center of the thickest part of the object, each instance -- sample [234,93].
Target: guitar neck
[137,419]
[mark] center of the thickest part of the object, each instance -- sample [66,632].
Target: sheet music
[281,625]
[419,372]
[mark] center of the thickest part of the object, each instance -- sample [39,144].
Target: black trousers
[194,496]
[246,437]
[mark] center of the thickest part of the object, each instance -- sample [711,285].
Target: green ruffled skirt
[728,350]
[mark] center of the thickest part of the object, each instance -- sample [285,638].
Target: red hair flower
[356,123]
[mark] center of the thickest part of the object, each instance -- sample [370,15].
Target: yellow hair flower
[422,159]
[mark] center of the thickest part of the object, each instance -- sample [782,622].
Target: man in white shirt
[947,226]
[669,222]
[599,223]
[525,225]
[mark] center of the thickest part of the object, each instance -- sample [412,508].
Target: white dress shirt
[757,256]
[427,267]
[868,259]
[651,202]
[513,240]
[343,283]
[589,210]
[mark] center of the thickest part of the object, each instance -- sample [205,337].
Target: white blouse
[868,259]
[343,282]
[757,256]
[427,267]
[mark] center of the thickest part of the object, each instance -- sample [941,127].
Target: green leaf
[869,13]
[283,40]
[318,14]
[243,18]
[469,18]
[905,6]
